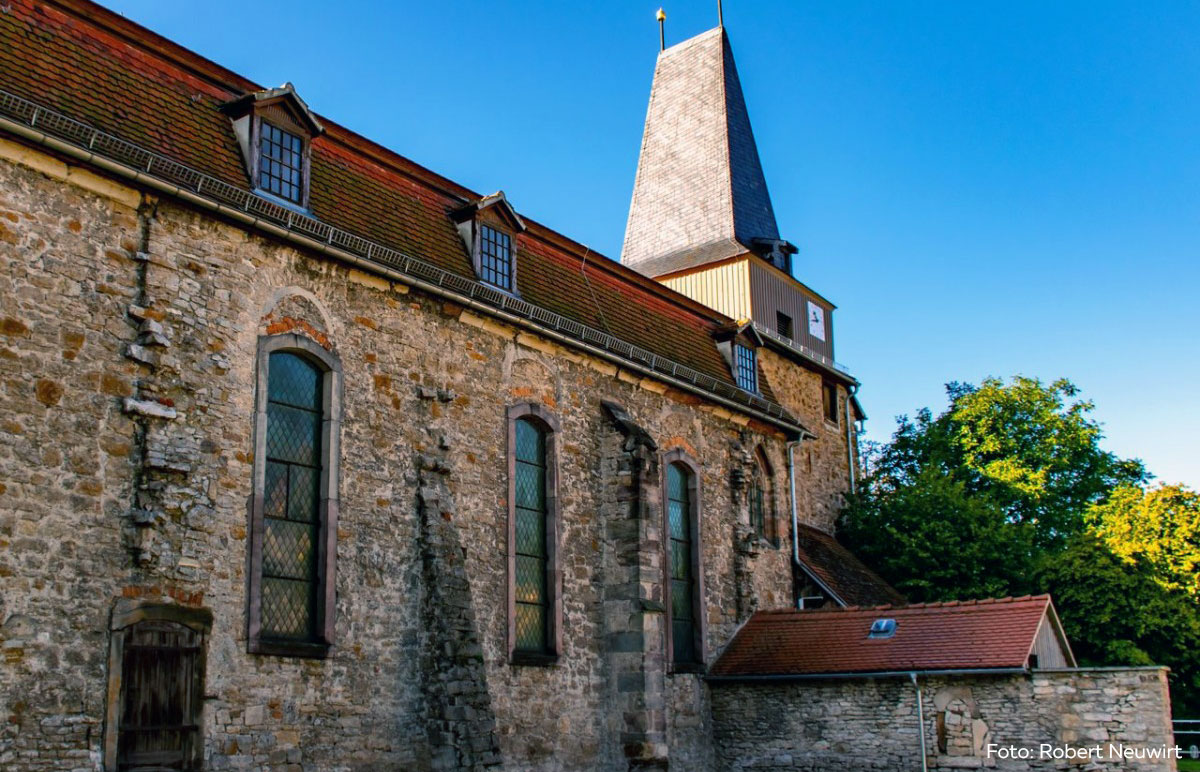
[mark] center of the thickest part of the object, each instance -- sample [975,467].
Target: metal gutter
[906,674]
[824,363]
[285,223]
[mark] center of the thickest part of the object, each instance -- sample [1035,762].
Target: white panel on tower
[816,321]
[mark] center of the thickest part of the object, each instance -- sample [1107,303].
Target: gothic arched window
[293,527]
[534,609]
[685,606]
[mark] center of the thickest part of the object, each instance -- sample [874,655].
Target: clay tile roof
[841,573]
[969,635]
[96,67]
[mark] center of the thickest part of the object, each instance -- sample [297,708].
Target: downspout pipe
[920,722]
[851,460]
[791,455]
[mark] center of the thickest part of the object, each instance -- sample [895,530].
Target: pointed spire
[700,194]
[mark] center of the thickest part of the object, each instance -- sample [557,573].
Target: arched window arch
[763,521]
[535,580]
[682,564]
[293,524]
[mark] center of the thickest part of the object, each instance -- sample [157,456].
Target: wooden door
[162,684]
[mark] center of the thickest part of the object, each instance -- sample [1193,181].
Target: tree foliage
[1159,527]
[963,504]
[1008,492]
[1115,611]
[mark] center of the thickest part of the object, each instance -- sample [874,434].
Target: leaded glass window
[758,505]
[281,163]
[291,510]
[532,606]
[746,367]
[681,564]
[495,257]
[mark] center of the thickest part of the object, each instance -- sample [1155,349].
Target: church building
[314,459]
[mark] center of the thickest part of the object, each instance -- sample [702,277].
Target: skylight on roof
[882,628]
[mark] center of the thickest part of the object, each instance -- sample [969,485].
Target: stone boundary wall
[999,722]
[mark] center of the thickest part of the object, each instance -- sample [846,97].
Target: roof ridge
[198,65]
[906,607]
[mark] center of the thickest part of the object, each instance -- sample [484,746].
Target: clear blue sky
[982,188]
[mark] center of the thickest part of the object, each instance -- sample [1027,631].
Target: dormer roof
[284,96]
[497,201]
[740,328]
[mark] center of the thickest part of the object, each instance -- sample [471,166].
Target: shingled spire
[700,195]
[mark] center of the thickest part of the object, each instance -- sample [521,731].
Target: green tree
[1159,526]
[934,540]
[1115,611]
[964,504]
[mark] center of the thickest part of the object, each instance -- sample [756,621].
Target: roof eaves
[133,162]
[805,354]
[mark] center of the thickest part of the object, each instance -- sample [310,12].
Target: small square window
[783,324]
[746,369]
[829,399]
[495,257]
[281,163]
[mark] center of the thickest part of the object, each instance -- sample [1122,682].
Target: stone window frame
[328,503]
[125,614]
[764,475]
[550,425]
[829,403]
[666,459]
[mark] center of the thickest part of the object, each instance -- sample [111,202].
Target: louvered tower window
[291,511]
[682,564]
[532,612]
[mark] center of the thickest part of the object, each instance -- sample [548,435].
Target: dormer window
[495,257]
[275,129]
[281,163]
[738,343]
[746,367]
[489,229]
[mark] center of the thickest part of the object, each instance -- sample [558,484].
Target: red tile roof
[94,66]
[840,572]
[970,635]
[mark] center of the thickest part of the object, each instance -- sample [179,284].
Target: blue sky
[982,188]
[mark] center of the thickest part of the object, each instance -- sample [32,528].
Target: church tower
[701,219]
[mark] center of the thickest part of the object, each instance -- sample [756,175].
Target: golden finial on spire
[662,38]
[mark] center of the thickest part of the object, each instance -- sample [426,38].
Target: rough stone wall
[822,465]
[871,724]
[66,278]
[128,336]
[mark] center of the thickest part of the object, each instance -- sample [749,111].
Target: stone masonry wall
[822,465]
[871,724]
[128,334]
